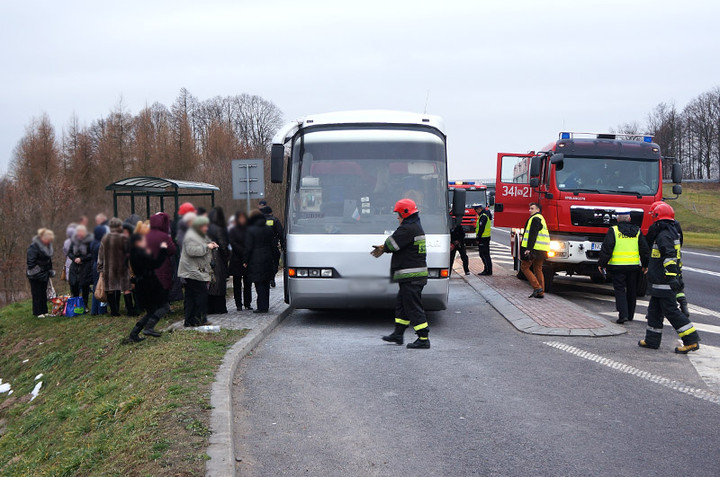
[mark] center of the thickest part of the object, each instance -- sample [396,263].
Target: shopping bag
[75,306]
[51,290]
[58,305]
[99,292]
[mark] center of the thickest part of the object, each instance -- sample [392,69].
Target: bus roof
[359,117]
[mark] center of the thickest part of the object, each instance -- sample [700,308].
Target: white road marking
[501,230]
[625,368]
[694,309]
[700,270]
[688,252]
[707,363]
[501,245]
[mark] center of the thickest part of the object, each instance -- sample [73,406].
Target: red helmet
[405,207]
[662,212]
[654,205]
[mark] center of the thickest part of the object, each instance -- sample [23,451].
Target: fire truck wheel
[549,275]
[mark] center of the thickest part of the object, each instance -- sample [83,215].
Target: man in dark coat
[457,244]
[625,253]
[259,258]
[159,234]
[241,280]
[279,235]
[81,266]
[150,291]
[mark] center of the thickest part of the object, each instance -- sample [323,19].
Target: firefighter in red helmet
[663,284]
[408,268]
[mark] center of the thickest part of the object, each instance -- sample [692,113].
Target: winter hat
[185,208]
[99,232]
[199,222]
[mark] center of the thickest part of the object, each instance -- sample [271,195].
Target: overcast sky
[505,75]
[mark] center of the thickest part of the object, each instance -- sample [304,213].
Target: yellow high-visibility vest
[627,250]
[542,242]
[488,226]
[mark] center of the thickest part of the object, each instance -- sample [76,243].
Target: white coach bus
[345,172]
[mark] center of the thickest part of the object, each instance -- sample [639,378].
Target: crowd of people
[148,264]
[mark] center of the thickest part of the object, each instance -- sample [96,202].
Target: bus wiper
[575,191]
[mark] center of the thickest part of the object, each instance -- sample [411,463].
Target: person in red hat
[185,207]
[408,268]
[663,284]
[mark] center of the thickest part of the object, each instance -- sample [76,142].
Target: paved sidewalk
[552,315]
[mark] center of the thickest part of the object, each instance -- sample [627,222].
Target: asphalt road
[324,396]
[701,272]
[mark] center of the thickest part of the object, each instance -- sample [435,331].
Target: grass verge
[104,408]
[698,210]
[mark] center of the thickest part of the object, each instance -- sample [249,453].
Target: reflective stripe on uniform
[654,330]
[660,286]
[391,244]
[400,321]
[686,332]
[542,241]
[626,251]
[418,272]
[270,222]
[421,326]
[419,238]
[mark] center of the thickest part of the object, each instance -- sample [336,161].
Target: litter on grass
[5,387]
[38,376]
[208,329]
[25,361]
[36,390]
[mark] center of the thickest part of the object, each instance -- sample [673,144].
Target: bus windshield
[608,175]
[472,197]
[346,181]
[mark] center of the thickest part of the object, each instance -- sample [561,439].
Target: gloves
[675,285]
[378,251]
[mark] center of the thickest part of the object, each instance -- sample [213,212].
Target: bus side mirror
[458,208]
[677,189]
[534,182]
[677,173]
[535,166]
[277,161]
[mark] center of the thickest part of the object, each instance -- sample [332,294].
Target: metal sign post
[248,178]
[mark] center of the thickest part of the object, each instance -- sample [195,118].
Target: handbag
[99,292]
[75,306]
[51,290]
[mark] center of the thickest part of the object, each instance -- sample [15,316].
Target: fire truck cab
[475,193]
[581,181]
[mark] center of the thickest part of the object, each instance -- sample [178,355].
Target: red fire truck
[475,193]
[581,181]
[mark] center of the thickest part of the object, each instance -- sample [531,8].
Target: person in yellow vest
[533,250]
[625,254]
[483,228]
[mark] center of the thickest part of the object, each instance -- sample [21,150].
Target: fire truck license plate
[595,246]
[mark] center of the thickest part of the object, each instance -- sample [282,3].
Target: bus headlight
[559,248]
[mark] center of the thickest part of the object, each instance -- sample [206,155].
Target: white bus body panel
[365,280]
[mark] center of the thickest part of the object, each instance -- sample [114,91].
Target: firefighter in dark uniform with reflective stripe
[408,268]
[624,251]
[652,232]
[483,229]
[663,285]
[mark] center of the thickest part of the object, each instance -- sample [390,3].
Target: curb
[522,322]
[222,438]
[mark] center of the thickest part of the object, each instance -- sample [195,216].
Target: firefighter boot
[422,342]
[644,344]
[682,301]
[686,348]
[397,335]
[135,334]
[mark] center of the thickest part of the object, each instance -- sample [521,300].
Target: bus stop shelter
[149,187]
